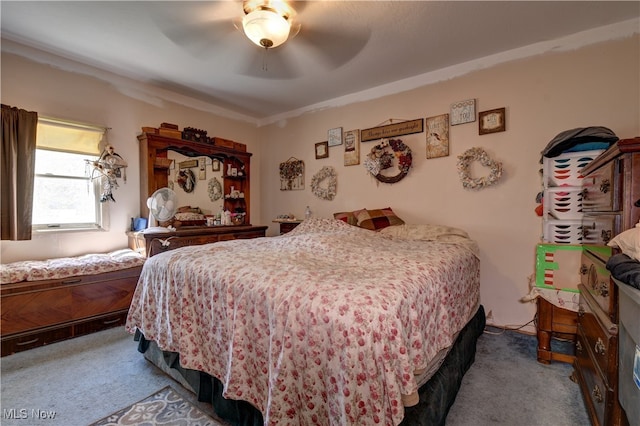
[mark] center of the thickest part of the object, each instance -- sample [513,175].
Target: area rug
[165,407]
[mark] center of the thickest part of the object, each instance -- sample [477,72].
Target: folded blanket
[625,269]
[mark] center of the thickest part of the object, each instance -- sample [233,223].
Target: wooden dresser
[195,235]
[36,313]
[611,203]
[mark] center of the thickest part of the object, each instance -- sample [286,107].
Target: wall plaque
[391,130]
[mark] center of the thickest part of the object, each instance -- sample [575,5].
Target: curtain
[17,162]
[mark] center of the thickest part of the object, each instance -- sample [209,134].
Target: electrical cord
[505,328]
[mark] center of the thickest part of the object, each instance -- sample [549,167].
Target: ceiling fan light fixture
[266,27]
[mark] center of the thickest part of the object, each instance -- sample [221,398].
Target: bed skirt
[436,395]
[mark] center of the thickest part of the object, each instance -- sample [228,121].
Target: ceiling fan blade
[333,48]
[197,26]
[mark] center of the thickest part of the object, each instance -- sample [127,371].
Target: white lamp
[266,27]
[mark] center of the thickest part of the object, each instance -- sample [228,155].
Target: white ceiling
[344,47]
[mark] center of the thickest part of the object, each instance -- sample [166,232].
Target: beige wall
[543,95]
[72,95]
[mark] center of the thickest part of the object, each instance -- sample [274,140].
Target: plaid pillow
[378,219]
[348,217]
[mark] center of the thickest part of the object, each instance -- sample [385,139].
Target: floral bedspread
[324,325]
[63,267]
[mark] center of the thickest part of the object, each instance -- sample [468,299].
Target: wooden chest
[36,313]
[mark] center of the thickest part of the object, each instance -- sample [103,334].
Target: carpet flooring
[79,381]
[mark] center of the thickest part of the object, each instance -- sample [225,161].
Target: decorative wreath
[478,154]
[187,180]
[328,193]
[215,189]
[380,158]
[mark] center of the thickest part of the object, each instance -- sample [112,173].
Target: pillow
[348,217]
[426,232]
[377,219]
[628,242]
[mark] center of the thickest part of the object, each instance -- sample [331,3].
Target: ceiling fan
[290,38]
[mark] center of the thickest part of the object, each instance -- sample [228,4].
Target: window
[65,197]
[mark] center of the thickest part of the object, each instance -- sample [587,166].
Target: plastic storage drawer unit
[629,355]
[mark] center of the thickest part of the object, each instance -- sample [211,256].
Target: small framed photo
[463,112]
[215,165]
[322,150]
[491,121]
[334,136]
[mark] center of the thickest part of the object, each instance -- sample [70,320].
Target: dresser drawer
[241,235]
[599,333]
[601,191]
[599,229]
[595,277]
[24,341]
[594,388]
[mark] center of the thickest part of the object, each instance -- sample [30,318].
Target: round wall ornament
[214,189]
[187,180]
[381,157]
[480,155]
[328,192]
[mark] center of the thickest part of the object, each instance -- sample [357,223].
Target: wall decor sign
[351,147]
[463,112]
[437,136]
[391,130]
[188,164]
[491,121]
[292,174]
[322,150]
[335,136]
[215,165]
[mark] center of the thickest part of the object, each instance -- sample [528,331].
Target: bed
[327,324]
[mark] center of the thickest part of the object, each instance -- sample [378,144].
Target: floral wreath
[380,159]
[478,154]
[187,180]
[328,193]
[214,189]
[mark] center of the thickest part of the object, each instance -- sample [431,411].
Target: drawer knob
[605,235]
[599,347]
[583,193]
[583,269]
[597,394]
[603,289]
[605,185]
[578,347]
[580,311]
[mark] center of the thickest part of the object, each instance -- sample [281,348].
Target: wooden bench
[52,300]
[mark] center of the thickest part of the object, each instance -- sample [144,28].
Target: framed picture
[491,121]
[322,150]
[437,136]
[215,165]
[463,112]
[352,147]
[335,136]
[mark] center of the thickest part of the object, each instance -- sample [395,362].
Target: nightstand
[287,225]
